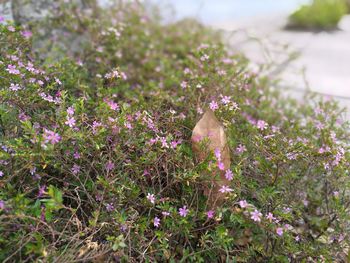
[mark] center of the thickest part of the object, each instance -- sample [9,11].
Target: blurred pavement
[323,62]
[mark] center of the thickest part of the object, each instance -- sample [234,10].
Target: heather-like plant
[97,162]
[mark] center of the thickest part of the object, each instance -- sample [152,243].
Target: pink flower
[156,222]
[288,227]
[319,126]
[12,69]
[27,34]
[11,29]
[262,125]
[70,111]
[128,125]
[225,189]
[205,57]
[164,142]
[15,87]
[75,169]
[225,100]
[50,136]
[151,198]
[210,214]
[217,153]
[113,105]
[41,191]
[109,207]
[76,155]
[174,144]
[270,217]
[241,148]
[256,215]
[165,213]
[229,175]
[243,203]
[183,211]
[221,166]
[213,105]
[109,166]
[2,205]
[279,231]
[70,121]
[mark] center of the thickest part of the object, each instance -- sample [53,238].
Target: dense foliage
[320,14]
[96,159]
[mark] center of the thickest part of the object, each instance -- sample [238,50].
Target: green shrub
[321,14]
[96,160]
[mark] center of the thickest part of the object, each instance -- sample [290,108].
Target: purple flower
[243,203]
[75,169]
[151,198]
[319,125]
[109,166]
[213,105]
[2,205]
[11,28]
[241,148]
[256,215]
[2,19]
[174,144]
[217,153]
[113,105]
[165,213]
[210,214]
[76,155]
[27,34]
[288,227]
[52,137]
[70,121]
[270,217]
[164,142]
[183,211]
[225,100]
[156,222]
[225,189]
[1,173]
[70,111]
[41,191]
[262,125]
[12,70]
[221,166]
[279,231]
[109,207]
[15,87]
[183,84]
[229,175]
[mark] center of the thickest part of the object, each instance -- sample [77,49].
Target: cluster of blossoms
[225,101]
[51,137]
[257,216]
[70,118]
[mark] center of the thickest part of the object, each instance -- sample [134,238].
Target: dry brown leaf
[209,127]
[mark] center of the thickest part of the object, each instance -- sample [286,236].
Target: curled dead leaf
[209,127]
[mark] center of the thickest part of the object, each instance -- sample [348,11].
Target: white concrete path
[323,57]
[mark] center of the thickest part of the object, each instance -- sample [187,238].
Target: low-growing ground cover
[319,15]
[97,163]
